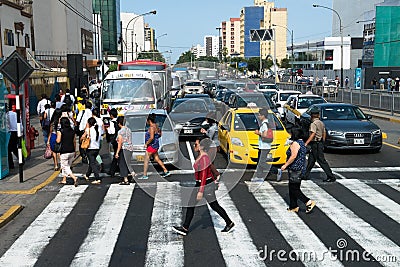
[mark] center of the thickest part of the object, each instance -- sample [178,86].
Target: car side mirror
[369,117]
[278,105]
[223,127]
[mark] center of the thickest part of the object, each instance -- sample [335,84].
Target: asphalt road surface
[355,222]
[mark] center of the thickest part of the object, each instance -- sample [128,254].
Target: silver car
[169,141]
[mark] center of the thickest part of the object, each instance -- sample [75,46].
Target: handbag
[294,176]
[269,137]
[85,142]
[48,154]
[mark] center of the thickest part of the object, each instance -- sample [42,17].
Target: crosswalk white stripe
[237,247]
[27,248]
[395,184]
[373,197]
[191,156]
[363,233]
[299,236]
[164,247]
[98,246]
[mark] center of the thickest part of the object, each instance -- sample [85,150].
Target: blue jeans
[45,136]
[94,166]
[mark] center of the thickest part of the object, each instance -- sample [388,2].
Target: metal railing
[374,99]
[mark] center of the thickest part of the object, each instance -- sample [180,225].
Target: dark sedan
[347,127]
[189,116]
[209,101]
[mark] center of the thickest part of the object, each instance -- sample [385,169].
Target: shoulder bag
[76,128]
[268,137]
[48,154]
[85,140]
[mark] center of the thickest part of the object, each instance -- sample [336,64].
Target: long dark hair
[92,122]
[65,123]
[55,118]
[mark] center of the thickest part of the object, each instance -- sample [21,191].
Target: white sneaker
[279,175]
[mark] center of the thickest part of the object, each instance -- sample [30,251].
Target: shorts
[151,150]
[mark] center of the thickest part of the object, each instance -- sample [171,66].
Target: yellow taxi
[240,143]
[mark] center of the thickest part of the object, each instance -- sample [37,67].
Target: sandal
[62,182]
[96,182]
[310,206]
[56,168]
[76,182]
[124,183]
[86,178]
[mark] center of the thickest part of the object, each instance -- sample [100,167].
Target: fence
[368,98]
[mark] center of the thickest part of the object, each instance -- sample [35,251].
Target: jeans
[12,148]
[114,162]
[317,154]
[45,135]
[262,166]
[295,194]
[94,166]
[209,195]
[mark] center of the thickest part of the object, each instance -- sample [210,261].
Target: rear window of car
[193,84]
[342,113]
[285,96]
[305,102]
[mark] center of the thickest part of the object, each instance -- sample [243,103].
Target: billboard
[258,35]
[357,79]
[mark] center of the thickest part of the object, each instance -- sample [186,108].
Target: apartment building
[231,37]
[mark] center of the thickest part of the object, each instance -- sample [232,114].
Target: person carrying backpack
[68,99]
[111,137]
[46,115]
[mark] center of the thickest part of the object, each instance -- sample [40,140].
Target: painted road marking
[98,246]
[395,184]
[373,197]
[237,247]
[164,247]
[362,232]
[299,236]
[27,248]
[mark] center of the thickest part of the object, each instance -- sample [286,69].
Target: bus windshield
[128,90]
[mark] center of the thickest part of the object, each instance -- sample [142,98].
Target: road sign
[242,64]
[261,35]
[16,69]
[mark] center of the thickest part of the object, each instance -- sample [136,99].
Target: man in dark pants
[112,133]
[316,139]
[13,142]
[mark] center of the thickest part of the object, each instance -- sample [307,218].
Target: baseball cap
[314,110]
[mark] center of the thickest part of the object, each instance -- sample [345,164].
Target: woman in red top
[205,184]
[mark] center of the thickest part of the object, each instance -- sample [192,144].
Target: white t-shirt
[94,143]
[261,143]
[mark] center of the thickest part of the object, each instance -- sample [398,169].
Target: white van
[281,97]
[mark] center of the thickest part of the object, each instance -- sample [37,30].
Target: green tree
[285,63]
[187,56]
[153,55]
[112,67]
[208,58]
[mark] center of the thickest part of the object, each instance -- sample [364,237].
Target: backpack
[68,100]
[111,138]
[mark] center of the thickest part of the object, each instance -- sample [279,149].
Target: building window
[8,37]
[232,42]
[329,55]
[27,41]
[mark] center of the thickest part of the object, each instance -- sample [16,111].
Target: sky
[186,22]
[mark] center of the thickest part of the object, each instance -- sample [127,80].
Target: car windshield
[305,102]
[285,96]
[246,122]
[177,102]
[129,90]
[138,123]
[190,107]
[343,113]
[193,84]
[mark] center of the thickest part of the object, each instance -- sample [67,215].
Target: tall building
[109,11]
[231,37]
[61,29]
[198,51]
[263,15]
[149,38]
[211,44]
[133,36]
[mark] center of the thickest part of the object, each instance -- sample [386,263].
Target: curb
[10,214]
[382,117]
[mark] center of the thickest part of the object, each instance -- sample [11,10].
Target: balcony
[23,5]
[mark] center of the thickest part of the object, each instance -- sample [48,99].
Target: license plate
[140,158]
[358,141]
[190,131]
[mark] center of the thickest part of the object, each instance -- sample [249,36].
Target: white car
[296,105]
[281,97]
[193,87]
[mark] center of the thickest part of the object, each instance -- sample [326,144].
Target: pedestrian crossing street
[351,217]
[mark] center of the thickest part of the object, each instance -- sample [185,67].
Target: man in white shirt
[12,129]
[40,107]
[67,93]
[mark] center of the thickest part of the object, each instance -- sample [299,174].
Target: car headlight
[377,132]
[335,133]
[236,141]
[169,147]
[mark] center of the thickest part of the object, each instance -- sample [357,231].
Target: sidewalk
[38,173]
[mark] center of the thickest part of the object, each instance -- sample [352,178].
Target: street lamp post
[291,35]
[219,43]
[341,40]
[135,17]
